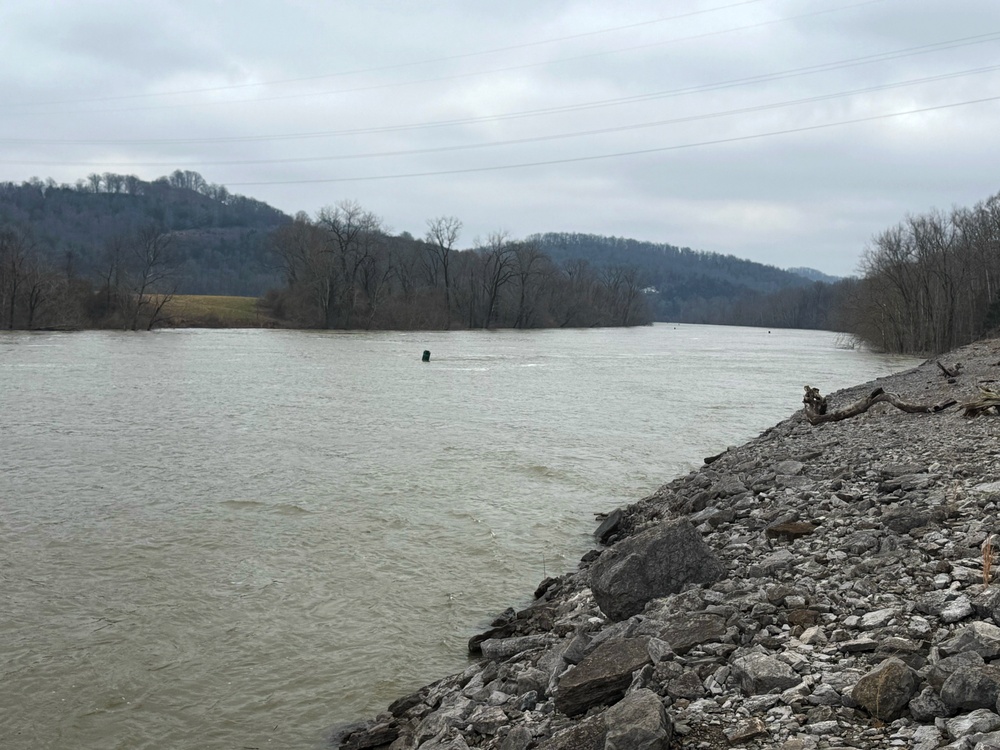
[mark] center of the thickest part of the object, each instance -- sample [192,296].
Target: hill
[813,275]
[111,239]
[217,237]
[683,285]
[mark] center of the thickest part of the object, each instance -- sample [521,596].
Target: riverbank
[818,587]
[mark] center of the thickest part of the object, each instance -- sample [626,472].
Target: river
[239,538]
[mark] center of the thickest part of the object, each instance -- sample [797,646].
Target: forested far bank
[932,282]
[343,270]
[112,251]
[929,284]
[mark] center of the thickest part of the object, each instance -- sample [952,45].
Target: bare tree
[442,236]
[150,282]
[529,263]
[16,251]
[497,270]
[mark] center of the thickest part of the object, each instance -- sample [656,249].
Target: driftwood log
[989,398]
[817,410]
[950,373]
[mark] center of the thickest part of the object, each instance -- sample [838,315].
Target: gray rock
[928,706]
[980,720]
[586,735]
[759,674]
[987,604]
[655,563]
[487,720]
[904,519]
[746,730]
[609,526]
[519,738]
[957,610]
[933,602]
[789,468]
[857,645]
[886,690]
[877,619]
[688,685]
[603,676]
[448,739]
[981,637]
[684,632]
[941,671]
[773,564]
[728,486]
[637,722]
[372,735]
[972,687]
[532,679]
[824,695]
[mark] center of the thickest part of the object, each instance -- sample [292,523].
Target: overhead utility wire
[541,138]
[620,154]
[716,86]
[397,66]
[454,77]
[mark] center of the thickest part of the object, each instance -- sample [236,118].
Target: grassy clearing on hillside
[202,311]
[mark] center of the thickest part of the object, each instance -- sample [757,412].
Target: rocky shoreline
[821,586]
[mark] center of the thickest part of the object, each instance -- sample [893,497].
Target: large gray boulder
[981,637]
[603,676]
[972,687]
[655,563]
[638,722]
[759,674]
[928,706]
[685,631]
[979,721]
[584,735]
[886,690]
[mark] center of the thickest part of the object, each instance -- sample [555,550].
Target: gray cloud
[146,88]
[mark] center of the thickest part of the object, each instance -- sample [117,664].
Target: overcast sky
[783,131]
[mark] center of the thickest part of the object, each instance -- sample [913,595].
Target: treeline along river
[229,539]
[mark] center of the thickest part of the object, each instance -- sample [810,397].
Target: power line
[719,85]
[383,68]
[454,77]
[620,154]
[554,136]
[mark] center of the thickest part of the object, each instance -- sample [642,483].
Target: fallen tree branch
[816,406]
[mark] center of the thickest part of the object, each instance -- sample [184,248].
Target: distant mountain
[217,237]
[684,285]
[813,275]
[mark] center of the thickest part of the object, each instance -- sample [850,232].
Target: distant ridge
[813,275]
[220,236]
[221,242]
[684,285]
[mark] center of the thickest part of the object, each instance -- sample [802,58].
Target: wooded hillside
[684,285]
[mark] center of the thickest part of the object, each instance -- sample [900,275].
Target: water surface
[228,539]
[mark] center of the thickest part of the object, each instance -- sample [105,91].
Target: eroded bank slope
[818,587]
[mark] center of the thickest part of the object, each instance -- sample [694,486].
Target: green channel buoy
[427,355]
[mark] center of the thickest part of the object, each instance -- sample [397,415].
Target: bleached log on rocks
[988,399]
[504,648]
[816,406]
